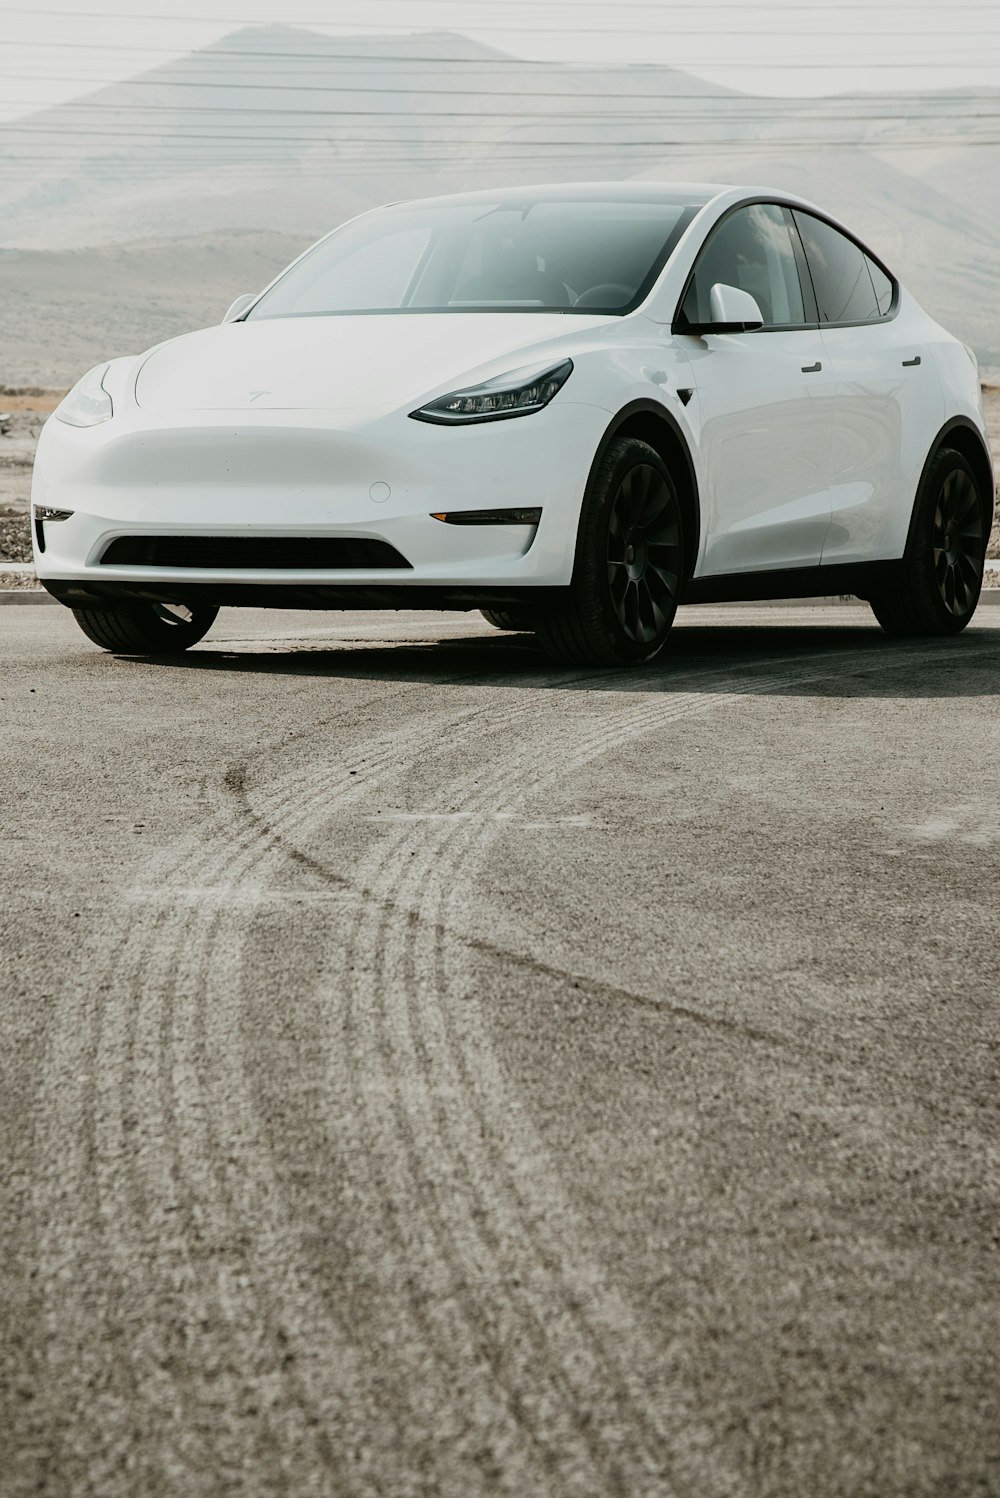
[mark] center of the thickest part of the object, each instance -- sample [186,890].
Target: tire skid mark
[569,1368]
[421,1192]
[527,1332]
[483,1250]
[439,1306]
[201,1152]
[174,1238]
[187,1087]
[385,1194]
[456,1397]
[211,1147]
[85,1028]
[433,870]
[437,1316]
[279,1254]
[372,892]
[474,1073]
[85,1261]
[66,1223]
[192,1153]
[92,1084]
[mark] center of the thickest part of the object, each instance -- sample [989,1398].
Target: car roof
[691,194]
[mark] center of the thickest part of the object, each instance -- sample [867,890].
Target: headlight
[515,394]
[88,403]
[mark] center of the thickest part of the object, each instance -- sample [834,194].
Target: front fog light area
[516,394]
[43,513]
[88,403]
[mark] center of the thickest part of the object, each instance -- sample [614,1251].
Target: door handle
[911,363]
[812,368]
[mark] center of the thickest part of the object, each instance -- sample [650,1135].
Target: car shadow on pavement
[841,661]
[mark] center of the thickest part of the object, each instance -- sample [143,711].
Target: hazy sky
[52,52]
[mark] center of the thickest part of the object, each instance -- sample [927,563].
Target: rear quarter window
[883,286]
[841,274]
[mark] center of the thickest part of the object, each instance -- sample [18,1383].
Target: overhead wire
[321,24]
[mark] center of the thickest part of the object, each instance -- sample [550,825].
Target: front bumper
[359,475]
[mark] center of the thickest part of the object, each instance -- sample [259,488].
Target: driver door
[761,402]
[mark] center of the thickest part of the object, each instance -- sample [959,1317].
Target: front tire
[941,575]
[629,564]
[508,619]
[146,628]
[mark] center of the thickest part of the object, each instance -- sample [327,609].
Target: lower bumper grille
[253,553]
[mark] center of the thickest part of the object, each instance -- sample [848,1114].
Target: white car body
[802,447]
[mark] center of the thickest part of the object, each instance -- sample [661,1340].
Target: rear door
[763,432]
[888,402]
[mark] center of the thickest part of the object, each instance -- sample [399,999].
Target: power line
[902,10]
[414,60]
[769,143]
[670,107]
[761,32]
[720,100]
[585,117]
[131,134]
[488,26]
[131,137]
[297,87]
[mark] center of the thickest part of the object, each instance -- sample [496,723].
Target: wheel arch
[964,437]
[648,422]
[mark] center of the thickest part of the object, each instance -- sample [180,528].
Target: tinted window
[751,249]
[522,256]
[882,285]
[839,270]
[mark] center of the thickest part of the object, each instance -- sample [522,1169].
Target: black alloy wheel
[958,545]
[644,553]
[629,563]
[940,577]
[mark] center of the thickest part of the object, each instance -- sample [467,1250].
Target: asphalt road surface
[430,1072]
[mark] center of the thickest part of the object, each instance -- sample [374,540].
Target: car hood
[342,362]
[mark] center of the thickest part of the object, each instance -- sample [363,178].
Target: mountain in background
[141,209]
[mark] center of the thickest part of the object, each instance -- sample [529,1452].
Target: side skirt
[858,578]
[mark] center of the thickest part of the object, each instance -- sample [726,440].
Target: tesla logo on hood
[256,394]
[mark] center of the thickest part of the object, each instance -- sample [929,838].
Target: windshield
[549,256]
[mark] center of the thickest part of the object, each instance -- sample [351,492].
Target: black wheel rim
[644,550]
[958,543]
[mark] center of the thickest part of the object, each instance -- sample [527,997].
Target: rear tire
[941,575]
[146,628]
[629,564]
[508,619]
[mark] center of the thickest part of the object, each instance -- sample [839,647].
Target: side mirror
[730,311]
[240,305]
